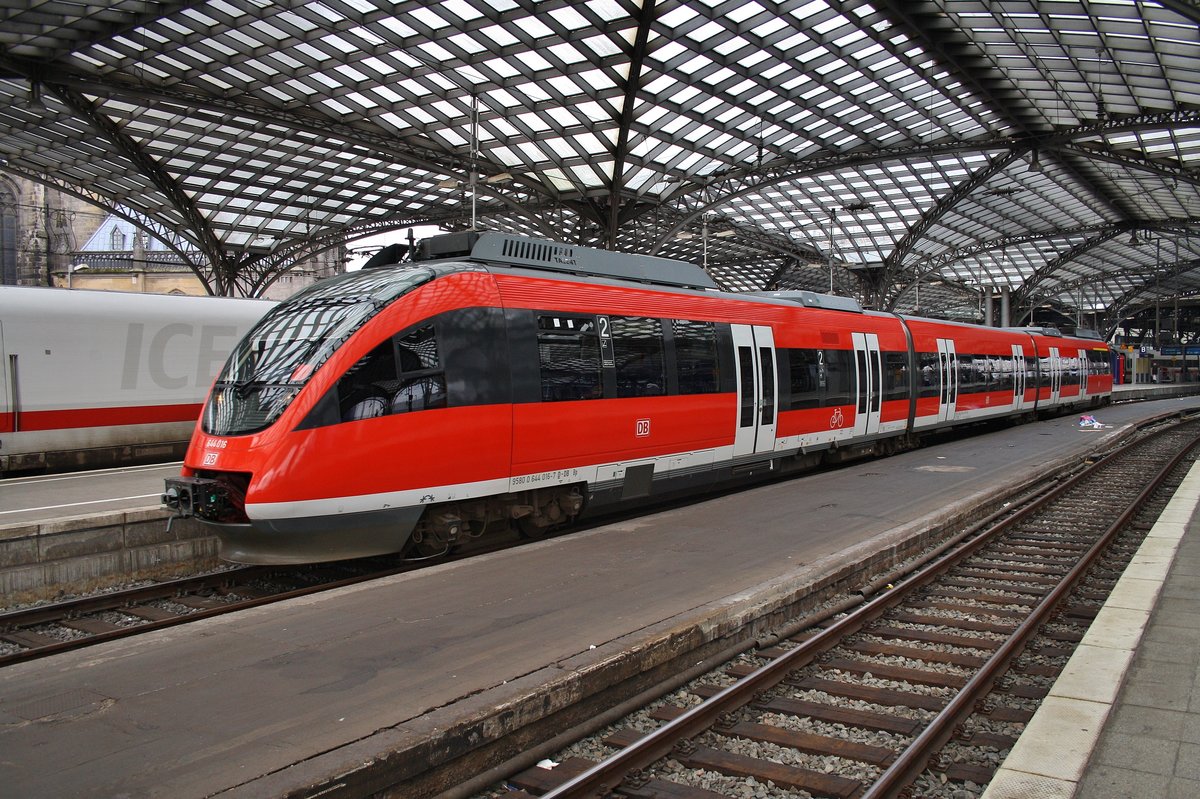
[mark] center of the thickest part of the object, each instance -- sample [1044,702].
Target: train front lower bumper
[292,540]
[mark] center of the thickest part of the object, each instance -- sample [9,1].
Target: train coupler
[205,498]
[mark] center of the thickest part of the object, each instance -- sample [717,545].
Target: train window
[418,350]
[638,356]
[839,377]
[1071,370]
[1002,373]
[895,371]
[402,374]
[422,383]
[807,377]
[974,374]
[746,365]
[931,374]
[768,385]
[696,359]
[569,358]
[361,391]
[1045,378]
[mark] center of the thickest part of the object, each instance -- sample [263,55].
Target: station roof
[906,152]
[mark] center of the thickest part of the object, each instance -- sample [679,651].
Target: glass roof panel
[927,133]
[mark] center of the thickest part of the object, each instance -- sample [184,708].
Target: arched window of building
[117,240]
[8,236]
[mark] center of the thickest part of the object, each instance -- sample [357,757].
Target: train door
[1019,376]
[948,393]
[1055,376]
[758,392]
[1083,368]
[868,373]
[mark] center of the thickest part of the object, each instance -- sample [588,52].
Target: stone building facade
[40,228]
[49,238]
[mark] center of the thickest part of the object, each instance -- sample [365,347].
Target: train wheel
[420,547]
[530,529]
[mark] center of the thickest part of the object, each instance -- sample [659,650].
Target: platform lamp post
[704,243]
[832,221]
[716,234]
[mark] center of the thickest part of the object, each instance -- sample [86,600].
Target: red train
[496,380]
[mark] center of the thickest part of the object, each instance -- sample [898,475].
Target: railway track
[922,689]
[42,630]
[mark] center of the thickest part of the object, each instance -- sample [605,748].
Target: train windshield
[283,351]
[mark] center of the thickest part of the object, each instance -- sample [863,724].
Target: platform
[305,695]
[1148,391]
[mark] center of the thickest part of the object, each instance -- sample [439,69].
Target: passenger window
[422,381]
[361,391]
[895,370]
[839,377]
[807,375]
[638,356]
[401,375]
[931,374]
[569,358]
[696,357]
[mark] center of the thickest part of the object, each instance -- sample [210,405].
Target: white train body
[93,378]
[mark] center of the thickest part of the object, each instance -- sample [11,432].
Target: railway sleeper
[783,775]
[834,714]
[971,625]
[986,582]
[916,653]
[886,697]
[807,742]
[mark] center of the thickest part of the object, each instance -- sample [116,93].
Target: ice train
[98,378]
[496,380]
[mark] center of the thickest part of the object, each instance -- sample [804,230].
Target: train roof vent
[510,250]
[1087,332]
[1053,332]
[811,299]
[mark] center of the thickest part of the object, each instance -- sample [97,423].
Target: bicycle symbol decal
[837,420]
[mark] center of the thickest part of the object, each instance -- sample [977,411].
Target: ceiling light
[449,183]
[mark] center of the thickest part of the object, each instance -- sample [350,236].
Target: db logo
[836,420]
[643,427]
[210,458]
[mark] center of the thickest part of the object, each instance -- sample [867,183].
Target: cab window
[401,375]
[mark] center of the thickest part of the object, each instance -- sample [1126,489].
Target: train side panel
[1072,373]
[969,373]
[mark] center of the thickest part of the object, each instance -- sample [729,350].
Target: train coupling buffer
[201,497]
